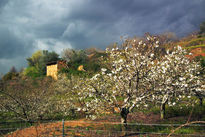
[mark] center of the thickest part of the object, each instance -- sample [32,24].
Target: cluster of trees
[30,100]
[124,78]
[36,66]
[12,74]
[135,74]
[74,58]
[29,95]
[88,58]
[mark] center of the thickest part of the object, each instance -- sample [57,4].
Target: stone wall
[52,70]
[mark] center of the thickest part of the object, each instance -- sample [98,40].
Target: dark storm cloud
[50,30]
[3,3]
[11,46]
[30,25]
[115,18]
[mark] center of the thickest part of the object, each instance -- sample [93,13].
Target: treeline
[89,58]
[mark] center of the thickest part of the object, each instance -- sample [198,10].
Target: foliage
[195,41]
[202,62]
[49,57]
[9,76]
[92,67]
[195,46]
[12,74]
[201,59]
[35,58]
[88,58]
[202,28]
[67,54]
[185,110]
[192,43]
[77,56]
[32,72]
[73,72]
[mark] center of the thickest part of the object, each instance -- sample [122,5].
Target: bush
[202,28]
[73,72]
[9,76]
[93,67]
[32,72]
[194,42]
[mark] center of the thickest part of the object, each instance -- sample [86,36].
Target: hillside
[194,44]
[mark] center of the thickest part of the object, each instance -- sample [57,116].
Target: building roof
[52,63]
[55,62]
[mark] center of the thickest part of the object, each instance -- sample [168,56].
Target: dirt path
[101,127]
[72,128]
[50,129]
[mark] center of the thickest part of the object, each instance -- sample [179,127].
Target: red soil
[55,129]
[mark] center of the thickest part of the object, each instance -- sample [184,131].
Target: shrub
[202,28]
[9,76]
[32,72]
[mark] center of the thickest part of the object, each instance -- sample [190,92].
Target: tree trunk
[162,110]
[124,112]
[201,101]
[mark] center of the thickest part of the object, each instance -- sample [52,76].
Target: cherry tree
[124,84]
[176,77]
[27,99]
[136,72]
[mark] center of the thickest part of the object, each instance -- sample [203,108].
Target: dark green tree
[77,56]
[13,69]
[202,28]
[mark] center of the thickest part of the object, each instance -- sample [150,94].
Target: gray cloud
[30,25]
[11,46]
[3,3]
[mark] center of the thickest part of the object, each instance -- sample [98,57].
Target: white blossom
[140,43]
[152,55]
[103,69]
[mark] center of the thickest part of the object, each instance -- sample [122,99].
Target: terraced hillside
[194,45]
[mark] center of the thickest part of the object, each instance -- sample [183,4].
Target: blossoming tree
[176,77]
[28,101]
[124,84]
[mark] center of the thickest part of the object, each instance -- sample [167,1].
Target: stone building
[52,68]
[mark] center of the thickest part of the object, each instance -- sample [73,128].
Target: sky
[30,25]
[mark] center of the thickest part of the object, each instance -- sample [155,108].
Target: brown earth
[101,127]
[55,129]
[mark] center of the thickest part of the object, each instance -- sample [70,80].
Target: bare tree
[67,54]
[29,100]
